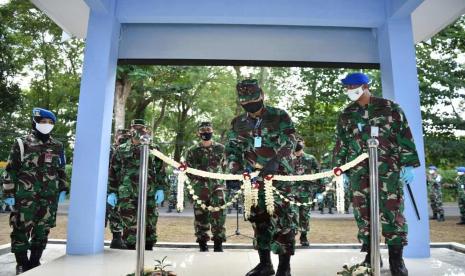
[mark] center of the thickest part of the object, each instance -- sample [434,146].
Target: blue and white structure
[349,33]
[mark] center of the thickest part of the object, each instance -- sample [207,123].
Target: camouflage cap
[138,128]
[248,90]
[138,122]
[204,124]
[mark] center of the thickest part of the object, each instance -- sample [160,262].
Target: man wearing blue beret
[369,116]
[34,182]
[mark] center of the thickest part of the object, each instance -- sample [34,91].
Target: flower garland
[250,191]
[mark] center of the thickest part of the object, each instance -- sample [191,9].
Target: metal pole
[142,203]
[374,206]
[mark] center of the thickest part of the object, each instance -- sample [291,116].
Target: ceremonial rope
[250,190]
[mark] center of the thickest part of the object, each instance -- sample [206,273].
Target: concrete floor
[232,262]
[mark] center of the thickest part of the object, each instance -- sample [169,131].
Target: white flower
[203,206]
[216,209]
[195,197]
[210,208]
[199,202]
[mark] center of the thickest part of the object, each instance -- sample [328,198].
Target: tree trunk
[122,91]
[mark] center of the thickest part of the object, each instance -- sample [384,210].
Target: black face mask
[253,106]
[298,147]
[206,136]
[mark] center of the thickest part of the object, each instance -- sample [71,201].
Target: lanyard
[257,130]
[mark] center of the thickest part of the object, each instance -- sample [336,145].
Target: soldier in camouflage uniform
[304,163]
[116,228]
[372,116]
[208,156]
[433,181]
[124,186]
[328,188]
[34,182]
[263,139]
[461,193]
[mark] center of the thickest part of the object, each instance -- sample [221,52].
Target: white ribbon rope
[250,192]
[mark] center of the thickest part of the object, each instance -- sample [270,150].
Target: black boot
[461,222]
[218,246]
[265,267]
[441,218]
[303,239]
[22,262]
[284,267]
[34,259]
[396,262]
[149,245]
[322,211]
[367,261]
[330,211]
[203,246]
[130,246]
[117,241]
[435,216]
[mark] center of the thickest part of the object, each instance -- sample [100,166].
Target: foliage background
[38,69]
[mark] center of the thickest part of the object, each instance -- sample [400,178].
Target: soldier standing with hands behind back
[304,163]
[34,182]
[124,186]
[368,116]
[433,181]
[208,156]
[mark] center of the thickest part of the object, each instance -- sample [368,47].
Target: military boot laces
[34,260]
[117,242]
[203,246]
[396,262]
[441,218]
[22,262]
[265,267]
[284,267]
[303,239]
[218,246]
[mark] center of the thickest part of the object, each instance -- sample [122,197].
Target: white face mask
[431,171]
[460,173]
[44,128]
[355,94]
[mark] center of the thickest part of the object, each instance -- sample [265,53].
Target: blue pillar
[400,83]
[90,164]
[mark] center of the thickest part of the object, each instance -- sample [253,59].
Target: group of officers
[261,139]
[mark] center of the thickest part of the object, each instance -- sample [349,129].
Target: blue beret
[461,169]
[356,78]
[432,168]
[43,113]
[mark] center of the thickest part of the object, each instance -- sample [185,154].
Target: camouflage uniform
[461,196]
[396,149]
[35,182]
[124,182]
[305,164]
[272,232]
[113,216]
[435,193]
[211,191]
[328,186]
